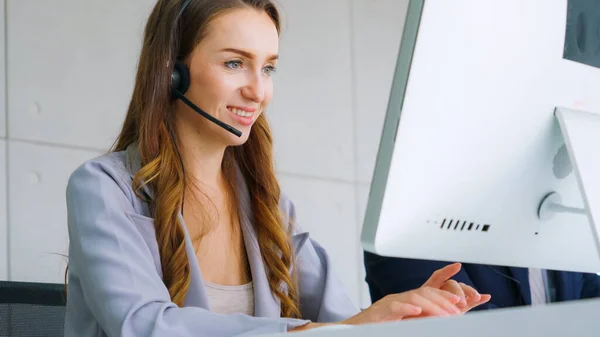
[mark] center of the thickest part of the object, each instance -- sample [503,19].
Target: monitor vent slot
[462,225]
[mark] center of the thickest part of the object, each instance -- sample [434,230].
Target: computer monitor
[493,112]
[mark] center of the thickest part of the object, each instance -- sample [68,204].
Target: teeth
[241,112]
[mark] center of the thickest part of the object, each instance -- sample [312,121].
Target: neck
[202,158]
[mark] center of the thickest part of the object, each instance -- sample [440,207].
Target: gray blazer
[115,278]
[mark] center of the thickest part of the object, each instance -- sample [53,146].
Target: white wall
[66,102]
[3,146]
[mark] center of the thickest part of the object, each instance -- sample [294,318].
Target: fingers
[470,292]
[443,299]
[458,290]
[440,276]
[484,299]
[472,298]
[467,293]
[433,302]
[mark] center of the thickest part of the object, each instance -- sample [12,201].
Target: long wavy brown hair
[172,34]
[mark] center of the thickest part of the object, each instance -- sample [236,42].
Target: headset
[180,83]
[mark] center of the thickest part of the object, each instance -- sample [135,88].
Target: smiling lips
[242,115]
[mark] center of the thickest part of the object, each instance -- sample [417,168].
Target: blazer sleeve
[120,284]
[323,297]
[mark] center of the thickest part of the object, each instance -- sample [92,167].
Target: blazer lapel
[298,240]
[522,275]
[563,285]
[133,165]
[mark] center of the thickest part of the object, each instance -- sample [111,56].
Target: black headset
[180,83]
[180,80]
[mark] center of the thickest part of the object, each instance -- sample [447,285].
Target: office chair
[32,309]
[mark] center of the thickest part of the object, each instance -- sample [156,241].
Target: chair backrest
[32,309]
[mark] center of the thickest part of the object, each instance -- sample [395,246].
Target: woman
[181,230]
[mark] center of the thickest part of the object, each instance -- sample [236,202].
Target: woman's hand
[470,298]
[439,296]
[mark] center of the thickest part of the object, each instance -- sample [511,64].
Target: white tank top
[231,299]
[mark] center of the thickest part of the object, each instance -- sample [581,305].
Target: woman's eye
[233,64]
[269,70]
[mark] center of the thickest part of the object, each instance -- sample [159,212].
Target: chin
[233,140]
[238,141]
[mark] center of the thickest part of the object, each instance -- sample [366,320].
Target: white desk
[568,319]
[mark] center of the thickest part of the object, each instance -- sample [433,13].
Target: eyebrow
[247,54]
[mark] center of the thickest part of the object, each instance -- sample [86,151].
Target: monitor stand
[581,132]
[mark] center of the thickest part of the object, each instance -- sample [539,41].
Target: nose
[255,88]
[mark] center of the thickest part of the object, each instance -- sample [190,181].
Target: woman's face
[230,74]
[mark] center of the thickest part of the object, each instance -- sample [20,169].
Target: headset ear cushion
[180,79]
